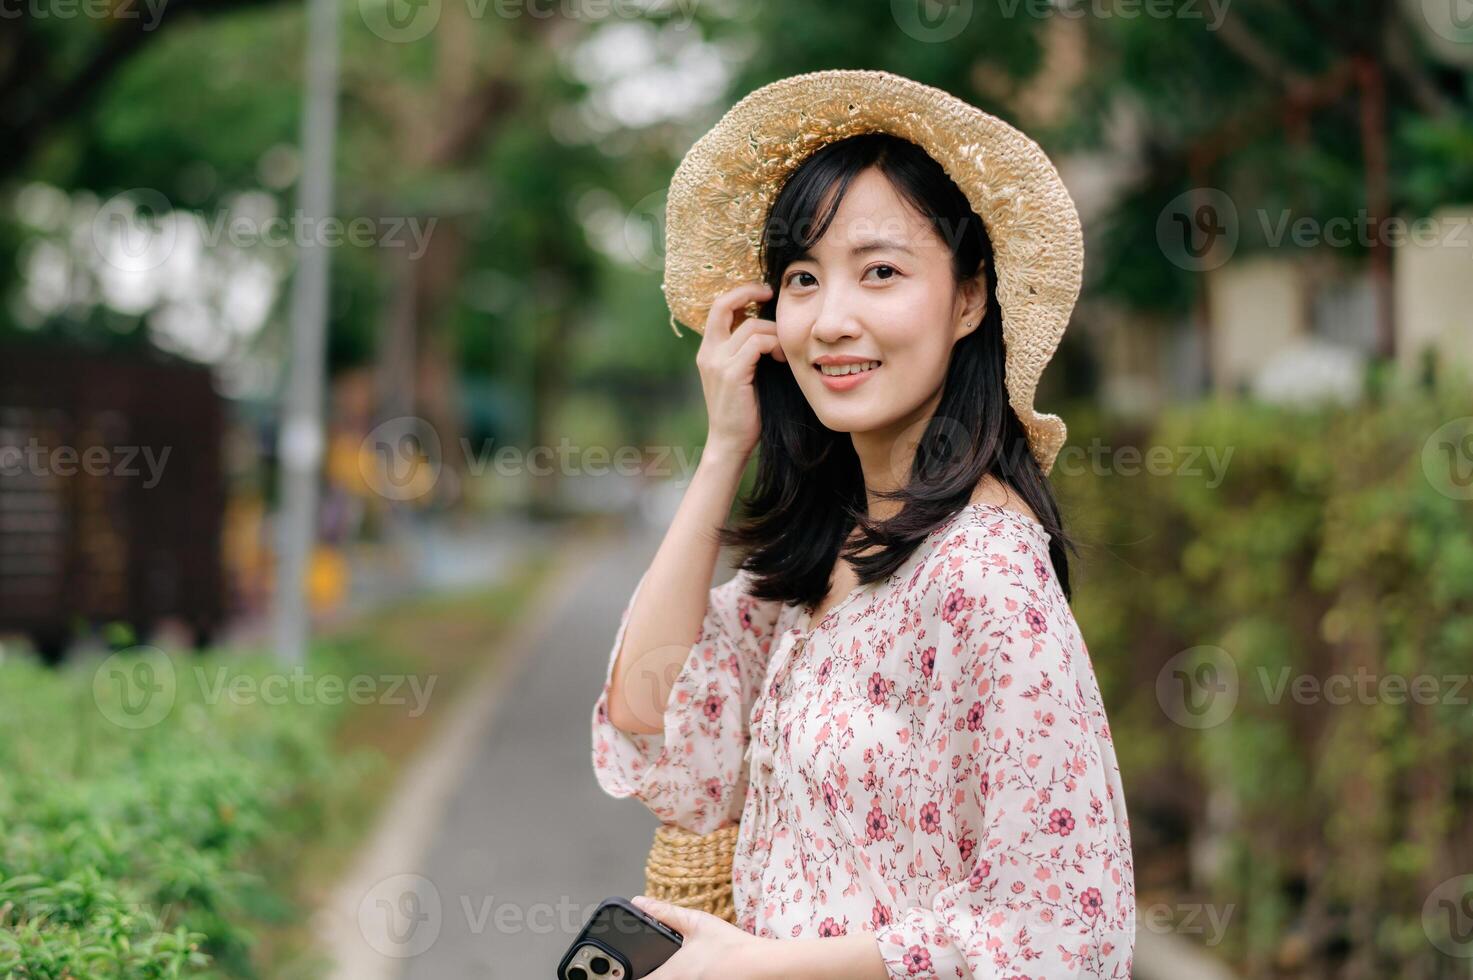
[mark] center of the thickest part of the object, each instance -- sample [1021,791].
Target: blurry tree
[208,111]
[525,145]
[1315,108]
[181,117]
[53,68]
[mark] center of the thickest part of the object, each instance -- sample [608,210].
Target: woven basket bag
[693,870]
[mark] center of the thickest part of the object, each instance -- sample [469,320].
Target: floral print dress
[931,763]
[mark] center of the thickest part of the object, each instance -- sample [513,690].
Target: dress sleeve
[694,773]
[1044,886]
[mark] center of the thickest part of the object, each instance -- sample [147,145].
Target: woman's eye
[793,277]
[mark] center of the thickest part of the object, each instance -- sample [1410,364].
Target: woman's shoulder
[987,549]
[988,528]
[994,495]
[988,586]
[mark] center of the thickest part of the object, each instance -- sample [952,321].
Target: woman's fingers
[726,308]
[753,348]
[728,367]
[685,921]
[756,326]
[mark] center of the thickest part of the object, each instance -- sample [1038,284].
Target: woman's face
[877,288]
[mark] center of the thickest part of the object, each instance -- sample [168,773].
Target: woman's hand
[713,948]
[730,348]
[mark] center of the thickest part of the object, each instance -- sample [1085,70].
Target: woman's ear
[971,303]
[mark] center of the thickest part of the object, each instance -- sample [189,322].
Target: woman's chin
[848,419]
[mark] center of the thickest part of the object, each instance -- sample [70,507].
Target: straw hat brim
[727,182]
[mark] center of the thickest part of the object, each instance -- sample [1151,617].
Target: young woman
[891,695]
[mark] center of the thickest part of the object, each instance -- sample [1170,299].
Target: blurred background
[340,412]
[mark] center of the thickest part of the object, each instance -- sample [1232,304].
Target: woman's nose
[836,318]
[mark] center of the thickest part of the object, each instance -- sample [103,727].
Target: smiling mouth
[843,370]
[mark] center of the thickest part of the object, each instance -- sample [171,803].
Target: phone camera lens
[577,973]
[599,965]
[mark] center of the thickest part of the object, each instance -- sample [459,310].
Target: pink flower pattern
[931,763]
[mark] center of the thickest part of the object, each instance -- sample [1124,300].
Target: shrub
[1327,551]
[123,850]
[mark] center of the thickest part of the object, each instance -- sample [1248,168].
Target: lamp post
[300,439]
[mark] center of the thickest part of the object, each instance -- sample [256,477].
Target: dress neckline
[806,627]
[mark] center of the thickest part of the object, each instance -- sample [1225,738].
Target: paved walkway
[529,842]
[497,842]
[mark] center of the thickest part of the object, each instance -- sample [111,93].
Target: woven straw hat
[726,184]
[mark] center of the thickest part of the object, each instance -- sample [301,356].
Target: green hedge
[1331,546]
[124,847]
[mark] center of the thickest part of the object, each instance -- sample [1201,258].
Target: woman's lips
[844,382]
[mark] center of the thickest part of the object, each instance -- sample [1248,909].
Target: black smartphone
[618,942]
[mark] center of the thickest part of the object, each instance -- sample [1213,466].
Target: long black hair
[810,494]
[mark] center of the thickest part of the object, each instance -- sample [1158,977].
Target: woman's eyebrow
[863,248]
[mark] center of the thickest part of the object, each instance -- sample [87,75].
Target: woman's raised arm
[667,614]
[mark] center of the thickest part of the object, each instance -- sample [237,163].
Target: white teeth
[837,370]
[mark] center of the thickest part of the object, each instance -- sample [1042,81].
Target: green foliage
[1440,157]
[122,851]
[932,44]
[1326,550]
[1229,106]
[192,117]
